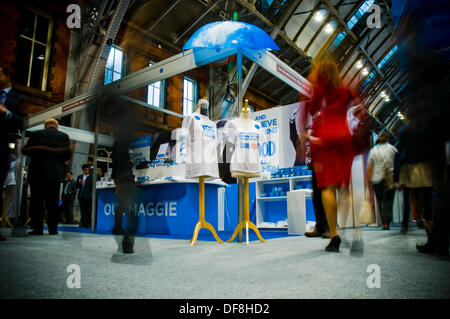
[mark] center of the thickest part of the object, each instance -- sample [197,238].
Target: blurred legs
[330,206]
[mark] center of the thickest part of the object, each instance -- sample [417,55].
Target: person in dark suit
[12,114]
[68,198]
[49,150]
[84,184]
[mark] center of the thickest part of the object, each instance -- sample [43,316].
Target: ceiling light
[359,64]
[383,94]
[41,57]
[330,27]
[387,98]
[320,15]
[365,71]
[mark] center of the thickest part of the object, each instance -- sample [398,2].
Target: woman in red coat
[331,143]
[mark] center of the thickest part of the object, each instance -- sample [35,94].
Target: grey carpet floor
[293,267]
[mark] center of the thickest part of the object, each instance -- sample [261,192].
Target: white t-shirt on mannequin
[201,146]
[245,134]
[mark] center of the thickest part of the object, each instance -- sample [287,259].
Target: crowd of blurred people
[407,168]
[53,188]
[418,165]
[49,150]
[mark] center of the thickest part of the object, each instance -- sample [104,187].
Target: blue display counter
[164,208]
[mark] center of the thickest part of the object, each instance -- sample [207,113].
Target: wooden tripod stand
[246,223]
[202,223]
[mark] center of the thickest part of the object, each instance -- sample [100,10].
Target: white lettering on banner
[78,103]
[165,208]
[141,210]
[109,209]
[161,209]
[172,209]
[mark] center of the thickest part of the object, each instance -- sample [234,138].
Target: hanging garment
[201,146]
[246,136]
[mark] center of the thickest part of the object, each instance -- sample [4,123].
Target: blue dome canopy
[230,34]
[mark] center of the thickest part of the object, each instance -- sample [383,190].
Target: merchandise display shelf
[272,199]
[272,209]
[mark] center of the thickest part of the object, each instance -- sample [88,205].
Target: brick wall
[9,20]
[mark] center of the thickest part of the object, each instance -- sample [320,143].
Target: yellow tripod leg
[256,230]
[239,227]
[246,233]
[195,235]
[204,225]
[213,231]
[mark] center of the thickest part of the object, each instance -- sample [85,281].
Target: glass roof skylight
[387,57]
[364,7]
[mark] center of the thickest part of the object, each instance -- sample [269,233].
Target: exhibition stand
[164,208]
[167,204]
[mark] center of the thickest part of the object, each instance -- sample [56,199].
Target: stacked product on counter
[280,189]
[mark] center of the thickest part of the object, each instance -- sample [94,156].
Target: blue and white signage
[141,148]
[269,150]
[277,151]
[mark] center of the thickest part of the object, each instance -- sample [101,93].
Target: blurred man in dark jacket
[84,185]
[49,150]
[12,113]
[68,198]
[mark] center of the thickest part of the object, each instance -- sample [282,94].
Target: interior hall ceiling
[302,39]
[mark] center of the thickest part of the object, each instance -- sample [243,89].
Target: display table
[163,207]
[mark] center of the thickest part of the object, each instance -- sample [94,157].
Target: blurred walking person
[11,190]
[123,177]
[12,113]
[331,142]
[380,170]
[84,185]
[413,174]
[422,29]
[49,150]
[303,157]
[68,198]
